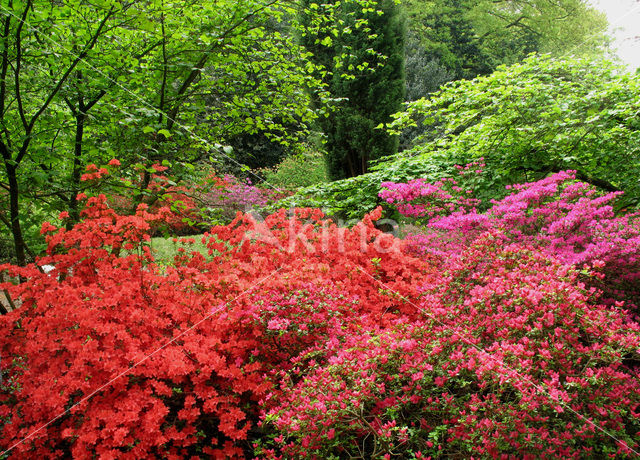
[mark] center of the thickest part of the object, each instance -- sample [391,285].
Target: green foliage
[360,56]
[304,170]
[353,197]
[425,74]
[473,37]
[452,40]
[532,119]
[527,121]
[446,33]
[238,74]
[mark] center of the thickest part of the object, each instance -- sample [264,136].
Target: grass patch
[164,249]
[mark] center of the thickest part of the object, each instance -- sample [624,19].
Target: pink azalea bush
[229,195]
[558,215]
[506,356]
[418,198]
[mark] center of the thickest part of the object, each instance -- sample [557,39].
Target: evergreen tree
[362,65]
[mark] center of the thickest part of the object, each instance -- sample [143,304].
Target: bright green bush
[527,121]
[297,171]
[536,118]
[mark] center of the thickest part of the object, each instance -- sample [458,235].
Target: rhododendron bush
[202,336]
[564,218]
[230,195]
[293,337]
[507,356]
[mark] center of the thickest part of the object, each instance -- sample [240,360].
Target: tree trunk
[14,214]
[74,212]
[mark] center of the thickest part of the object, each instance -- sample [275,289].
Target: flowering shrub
[565,219]
[507,358]
[292,337]
[420,199]
[161,192]
[111,356]
[230,195]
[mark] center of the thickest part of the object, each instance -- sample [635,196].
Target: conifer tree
[361,57]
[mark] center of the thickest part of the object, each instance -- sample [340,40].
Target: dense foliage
[304,170]
[538,117]
[527,121]
[451,40]
[473,37]
[152,81]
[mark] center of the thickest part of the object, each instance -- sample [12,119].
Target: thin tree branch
[21,24]
[79,58]
[5,62]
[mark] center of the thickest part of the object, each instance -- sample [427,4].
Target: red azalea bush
[112,356]
[508,357]
[160,192]
[562,217]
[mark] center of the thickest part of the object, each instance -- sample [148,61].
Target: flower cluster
[421,199]
[418,198]
[507,356]
[94,173]
[230,195]
[564,218]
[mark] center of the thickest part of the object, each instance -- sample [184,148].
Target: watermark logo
[304,234]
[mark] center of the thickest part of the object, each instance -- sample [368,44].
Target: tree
[473,37]
[425,74]
[446,33]
[82,83]
[244,76]
[31,80]
[542,116]
[361,57]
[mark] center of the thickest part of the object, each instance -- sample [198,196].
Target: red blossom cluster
[94,173]
[160,192]
[111,355]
